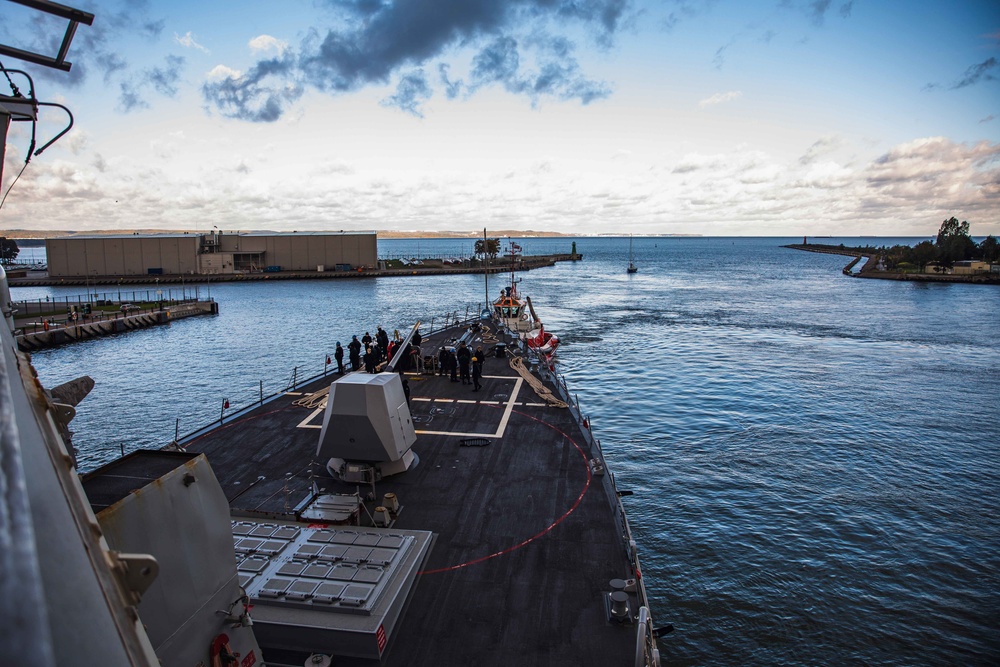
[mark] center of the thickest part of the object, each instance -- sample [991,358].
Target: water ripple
[813,456]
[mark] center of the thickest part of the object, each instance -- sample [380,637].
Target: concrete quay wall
[526,264]
[72,333]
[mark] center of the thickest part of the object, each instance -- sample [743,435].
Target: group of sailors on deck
[461,361]
[378,350]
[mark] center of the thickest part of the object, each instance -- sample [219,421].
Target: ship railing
[647,652]
[22,605]
[240,402]
[453,318]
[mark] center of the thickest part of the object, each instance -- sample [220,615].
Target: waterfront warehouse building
[209,254]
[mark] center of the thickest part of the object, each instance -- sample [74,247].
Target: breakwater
[870,269]
[851,251]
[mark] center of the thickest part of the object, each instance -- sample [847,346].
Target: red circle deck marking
[544,531]
[450,568]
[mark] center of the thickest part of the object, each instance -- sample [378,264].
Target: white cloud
[220,72]
[720,98]
[936,174]
[266,43]
[188,41]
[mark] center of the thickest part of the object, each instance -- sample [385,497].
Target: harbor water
[813,457]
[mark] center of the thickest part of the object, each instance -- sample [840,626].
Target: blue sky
[820,117]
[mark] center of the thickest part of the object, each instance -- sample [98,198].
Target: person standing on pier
[464,355]
[339,356]
[354,347]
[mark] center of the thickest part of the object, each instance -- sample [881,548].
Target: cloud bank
[906,190]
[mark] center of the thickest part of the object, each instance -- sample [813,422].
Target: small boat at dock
[517,314]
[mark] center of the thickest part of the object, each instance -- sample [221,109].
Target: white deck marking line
[462,400]
[503,421]
[421,398]
[510,407]
[535,405]
[312,415]
[292,393]
[444,400]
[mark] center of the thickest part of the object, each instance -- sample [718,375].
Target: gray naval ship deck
[530,559]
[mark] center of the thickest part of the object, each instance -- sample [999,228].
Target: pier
[385,268]
[41,323]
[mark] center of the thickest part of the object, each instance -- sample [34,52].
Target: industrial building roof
[182,235]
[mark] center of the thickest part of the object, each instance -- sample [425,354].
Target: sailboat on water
[632,268]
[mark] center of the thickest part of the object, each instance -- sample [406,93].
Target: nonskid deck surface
[526,538]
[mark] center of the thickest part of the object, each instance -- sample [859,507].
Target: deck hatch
[308,551]
[343,571]
[333,552]
[292,569]
[357,554]
[318,570]
[264,530]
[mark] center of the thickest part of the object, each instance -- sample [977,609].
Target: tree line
[953,244]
